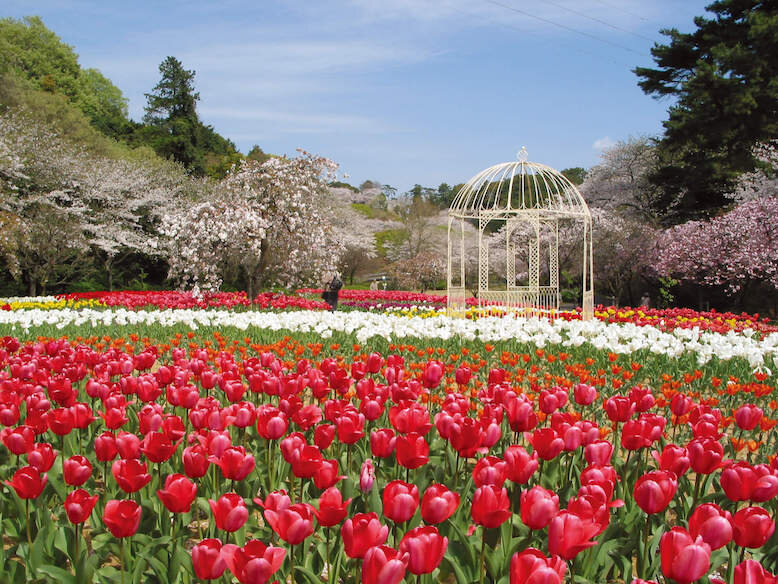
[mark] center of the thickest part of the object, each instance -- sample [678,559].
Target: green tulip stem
[269,465]
[483,554]
[327,560]
[731,563]
[27,521]
[291,562]
[644,555]
[75,555]
[572,571]
[121,558]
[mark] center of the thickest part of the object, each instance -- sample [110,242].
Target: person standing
[332,291]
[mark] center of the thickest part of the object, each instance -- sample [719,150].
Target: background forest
[92,199]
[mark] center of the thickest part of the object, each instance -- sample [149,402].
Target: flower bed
[372,448]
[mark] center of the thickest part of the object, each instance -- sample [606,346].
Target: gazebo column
[483,262]
[553,266]
[510,259]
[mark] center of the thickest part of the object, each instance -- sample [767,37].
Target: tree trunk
[31,288]
[109,270]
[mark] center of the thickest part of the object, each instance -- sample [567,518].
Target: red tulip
[28,482]
[598,453]
[705,455]
[410,416]
[462,375]
[157,447]
[323,435]
[490,470]
[122,518]
[292,524]
[374,362]
[255,562]
[179,493]
[683,559]
[680,404]
[519,464]
[79,505]
[105,447]
[382,442]
[42,456]
[361,532]
[128,445]
[531,566]
[229,512]
[433,374]
[619,408]
[412,450]
[236,465]
[425,548]
[384,565]
[583,394]
[271,422]
[752,572]
[78,469]
[547,443]
[466,436]
[738,481]
[673,458]
[207,559]
[332,508]
[748,416]
[654,490]
[538,507]
[521,414]
[195,460]
[604,476]
[438,503]
[752,527]
[491,507]
[400,501]
[61,421]
[20,440]
[713,524]
[569,534]
[131,475]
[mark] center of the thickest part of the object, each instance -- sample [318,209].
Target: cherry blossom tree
[422,271]
[734,251]
[620,181]
[267,222]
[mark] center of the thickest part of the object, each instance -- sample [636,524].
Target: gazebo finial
[523,155]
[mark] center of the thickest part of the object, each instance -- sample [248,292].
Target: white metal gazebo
[517,197]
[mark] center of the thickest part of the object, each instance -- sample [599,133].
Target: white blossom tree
[620,181]
[268,221]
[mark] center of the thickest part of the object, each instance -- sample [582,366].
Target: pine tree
[724,77]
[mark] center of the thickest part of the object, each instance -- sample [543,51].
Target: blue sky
[399,91]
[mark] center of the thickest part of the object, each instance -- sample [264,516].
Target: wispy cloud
[603,143]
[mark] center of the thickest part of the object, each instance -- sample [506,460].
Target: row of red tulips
[330,418]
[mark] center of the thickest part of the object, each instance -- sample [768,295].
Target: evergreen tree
[724,77]
[173,128]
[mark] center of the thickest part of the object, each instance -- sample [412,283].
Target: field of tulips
[199,442]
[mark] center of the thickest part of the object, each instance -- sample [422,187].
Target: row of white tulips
[617,338]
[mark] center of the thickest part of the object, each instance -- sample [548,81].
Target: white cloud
[603,143]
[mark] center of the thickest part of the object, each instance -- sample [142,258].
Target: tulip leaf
[310,576]
[60,575]
[159,568]
[458,571]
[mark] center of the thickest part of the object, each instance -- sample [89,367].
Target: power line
[624,10]
[569,28]
[613,26]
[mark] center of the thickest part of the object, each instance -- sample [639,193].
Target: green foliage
[373,212]
[386,237]
[174,130]
[41,61]
[337,184]
[666,297]
[575,175]
[723,77]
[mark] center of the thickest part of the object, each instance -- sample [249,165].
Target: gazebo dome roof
[519,187]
